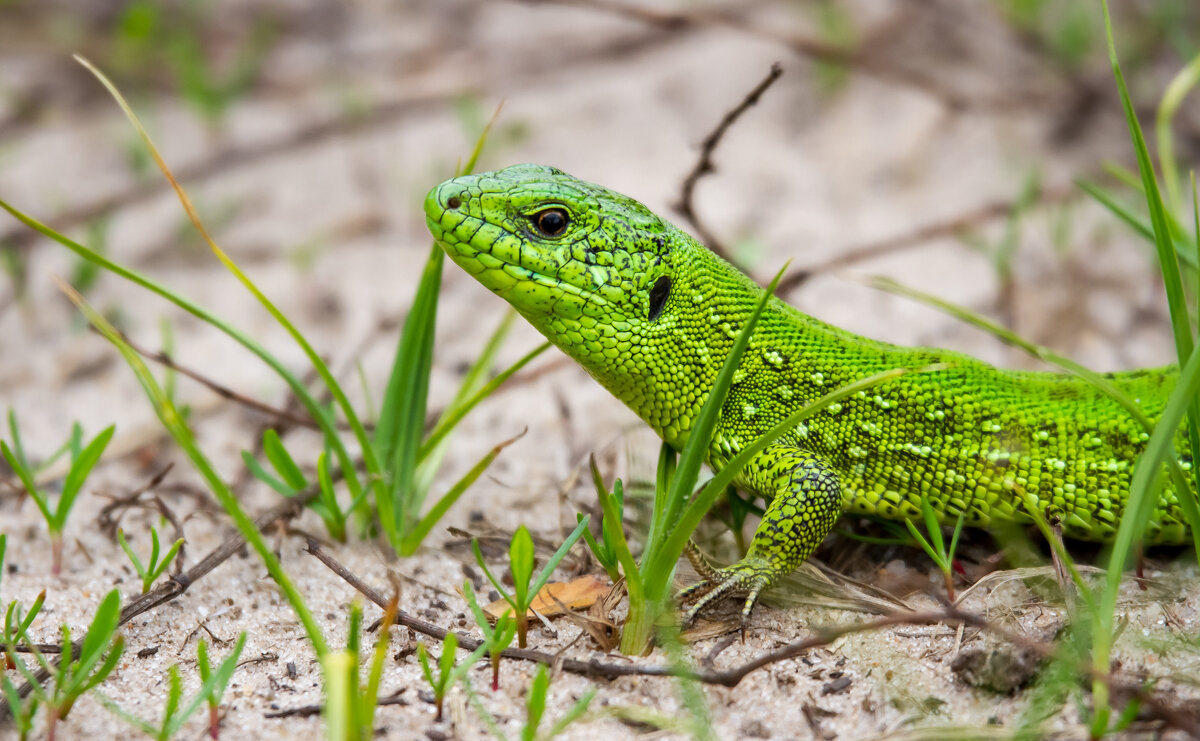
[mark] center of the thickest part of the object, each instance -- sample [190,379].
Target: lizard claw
[748,575]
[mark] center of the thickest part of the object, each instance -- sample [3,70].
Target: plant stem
[56,555]
[639,626]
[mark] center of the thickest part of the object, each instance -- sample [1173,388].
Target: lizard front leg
[804,503]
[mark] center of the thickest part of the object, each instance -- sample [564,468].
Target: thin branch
[28,648]
[732,677]
[105,519]
[704,165]
[220,390]
[179,583]
[384,114]
[858,59]
[307,711]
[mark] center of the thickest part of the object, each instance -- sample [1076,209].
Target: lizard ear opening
[658,296]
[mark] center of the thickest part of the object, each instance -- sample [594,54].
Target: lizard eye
[658,296]
[551,222]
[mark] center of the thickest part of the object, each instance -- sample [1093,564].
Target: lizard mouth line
[468,250]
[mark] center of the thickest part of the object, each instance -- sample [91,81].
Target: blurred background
[937,142]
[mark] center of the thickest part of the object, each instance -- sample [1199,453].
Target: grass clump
[521,562]
[387,470]
[80,669]
[449,671]
[155,567]
[83,459]
[175,712]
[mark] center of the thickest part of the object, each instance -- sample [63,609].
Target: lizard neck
[663,369]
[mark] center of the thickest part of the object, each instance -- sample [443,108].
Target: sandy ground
[330,227]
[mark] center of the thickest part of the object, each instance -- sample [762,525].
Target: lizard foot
[750,575]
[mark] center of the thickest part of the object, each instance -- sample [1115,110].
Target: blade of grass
[700,436]
[455,413]
[690,519]
[314,358]
[1163,240]
[1135,222]
[1181,403]
[183,436]
[1176,91]
[402,416]
[417,534]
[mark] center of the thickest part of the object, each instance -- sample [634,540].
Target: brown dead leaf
[557,597]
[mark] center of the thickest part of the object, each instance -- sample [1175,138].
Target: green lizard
[651,314]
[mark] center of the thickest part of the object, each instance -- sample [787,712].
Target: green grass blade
[700,437]
[934,528]
[336,524]
[663,476]
[1139,225]
[99,634]
[548,570]
[1163,240]
[257,471]
[520,561]
[535,703]
[413,538]
[921,541]
[282,460]
[500,588]
[183,436]
[27,481]
[455,413]
[664,562]
[80,468]
[474,376]
[471,391]
[133,556]
[620,546]
[1176,91]
[573,714]
[18,448]
[402,416]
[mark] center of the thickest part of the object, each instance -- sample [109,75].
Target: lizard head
[576,259]
[641,305]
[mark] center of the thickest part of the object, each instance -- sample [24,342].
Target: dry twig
[704,165]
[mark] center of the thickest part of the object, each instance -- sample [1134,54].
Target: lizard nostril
[453,202]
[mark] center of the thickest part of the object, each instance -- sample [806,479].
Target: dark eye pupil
[658,296]
[552,222]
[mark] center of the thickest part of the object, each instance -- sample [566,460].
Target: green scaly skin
[971,438]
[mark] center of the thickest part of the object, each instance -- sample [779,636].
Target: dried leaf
[577,594]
